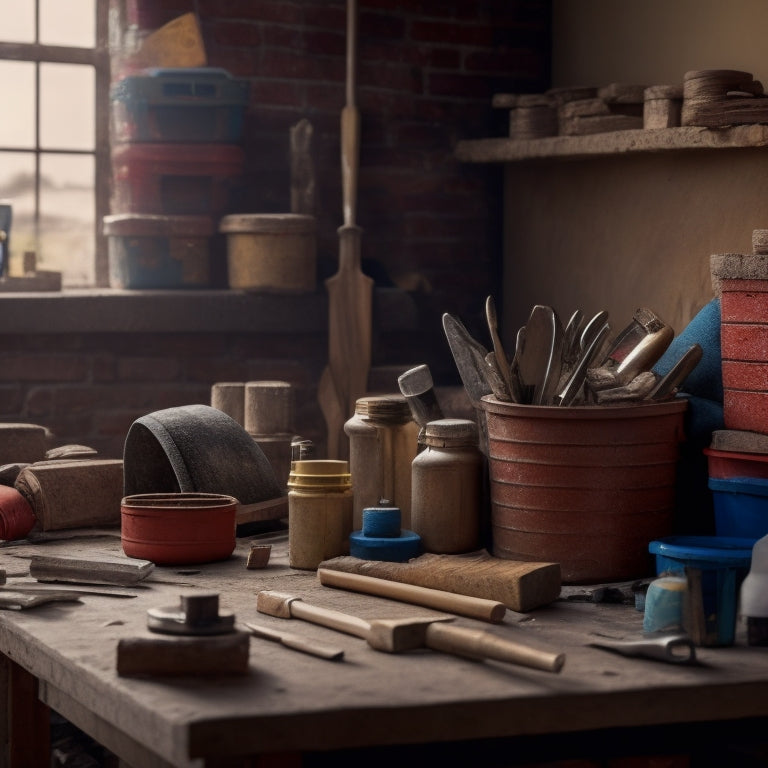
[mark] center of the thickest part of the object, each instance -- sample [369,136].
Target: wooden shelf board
[505,150]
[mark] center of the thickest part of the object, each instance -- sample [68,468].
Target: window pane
[18,21]
[17,186]
[17,125]
[67,211]
[67,93]
[68,22]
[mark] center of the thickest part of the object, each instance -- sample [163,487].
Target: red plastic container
[724,465]
[177,179]
[178,528]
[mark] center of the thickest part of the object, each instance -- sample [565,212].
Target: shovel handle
[479,644]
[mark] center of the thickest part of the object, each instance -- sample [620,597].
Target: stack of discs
[534,117]
[617,107]
[662,105]
[714,98]
[381,537]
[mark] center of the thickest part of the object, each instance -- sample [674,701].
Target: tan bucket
[271,252]
[589,487]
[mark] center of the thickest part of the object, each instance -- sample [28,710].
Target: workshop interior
[383,382]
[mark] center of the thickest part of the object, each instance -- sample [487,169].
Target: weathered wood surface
[290,701]
[504,150]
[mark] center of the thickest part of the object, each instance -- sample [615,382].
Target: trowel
[470,357]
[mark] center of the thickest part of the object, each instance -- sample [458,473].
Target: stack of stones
[710,98]
[714,98]
[584,110]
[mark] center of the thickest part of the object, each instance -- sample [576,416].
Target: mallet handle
[479,644]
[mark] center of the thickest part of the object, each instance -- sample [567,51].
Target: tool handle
[327,617]
[297,642]
[473,607]
[478,644]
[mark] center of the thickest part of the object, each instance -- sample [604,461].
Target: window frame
[99,58]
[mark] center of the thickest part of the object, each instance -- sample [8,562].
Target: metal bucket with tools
[586,486]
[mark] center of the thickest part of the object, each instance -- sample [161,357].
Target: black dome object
[195,449]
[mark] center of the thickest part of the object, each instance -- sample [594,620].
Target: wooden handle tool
[396,635]
[296,642]
[463,605]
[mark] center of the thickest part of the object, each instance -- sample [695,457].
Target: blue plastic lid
[723,550]
[756,486]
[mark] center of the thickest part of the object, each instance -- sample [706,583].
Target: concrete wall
[655,41]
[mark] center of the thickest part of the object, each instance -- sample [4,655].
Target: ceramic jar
[447,487]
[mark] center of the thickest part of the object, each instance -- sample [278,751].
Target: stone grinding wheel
[196,448]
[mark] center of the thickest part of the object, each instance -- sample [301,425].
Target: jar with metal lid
[447,487]
[319,511]
[383,441]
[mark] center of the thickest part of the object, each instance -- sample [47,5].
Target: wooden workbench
[294,709]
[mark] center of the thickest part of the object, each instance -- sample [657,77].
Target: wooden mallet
[396,635]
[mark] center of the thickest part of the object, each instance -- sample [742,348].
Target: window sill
[181,311]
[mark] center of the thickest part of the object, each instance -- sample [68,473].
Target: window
[54,142]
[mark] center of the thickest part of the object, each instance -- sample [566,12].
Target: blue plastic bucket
[741,506]
[715,567]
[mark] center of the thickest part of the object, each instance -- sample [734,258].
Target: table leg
[25,722]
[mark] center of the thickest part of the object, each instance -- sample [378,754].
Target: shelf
[505,150]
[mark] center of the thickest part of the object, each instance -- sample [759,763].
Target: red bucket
[588,487]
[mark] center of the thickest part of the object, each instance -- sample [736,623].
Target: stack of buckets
[737,457]
[176,161]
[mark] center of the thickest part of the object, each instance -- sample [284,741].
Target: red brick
[381,25]
[50,367]
[399,78]
[148,368]
[744,301]
[297,64]
[10,399]
[447,33]
[745,410]
[443,58]
[748,376]
[322,42]
[459,86]
[236,34]
[744,342]
[259,10]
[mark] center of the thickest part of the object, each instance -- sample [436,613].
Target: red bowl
[178,528]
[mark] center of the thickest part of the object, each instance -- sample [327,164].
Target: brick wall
[89,388]
[432,226]
[426,73]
